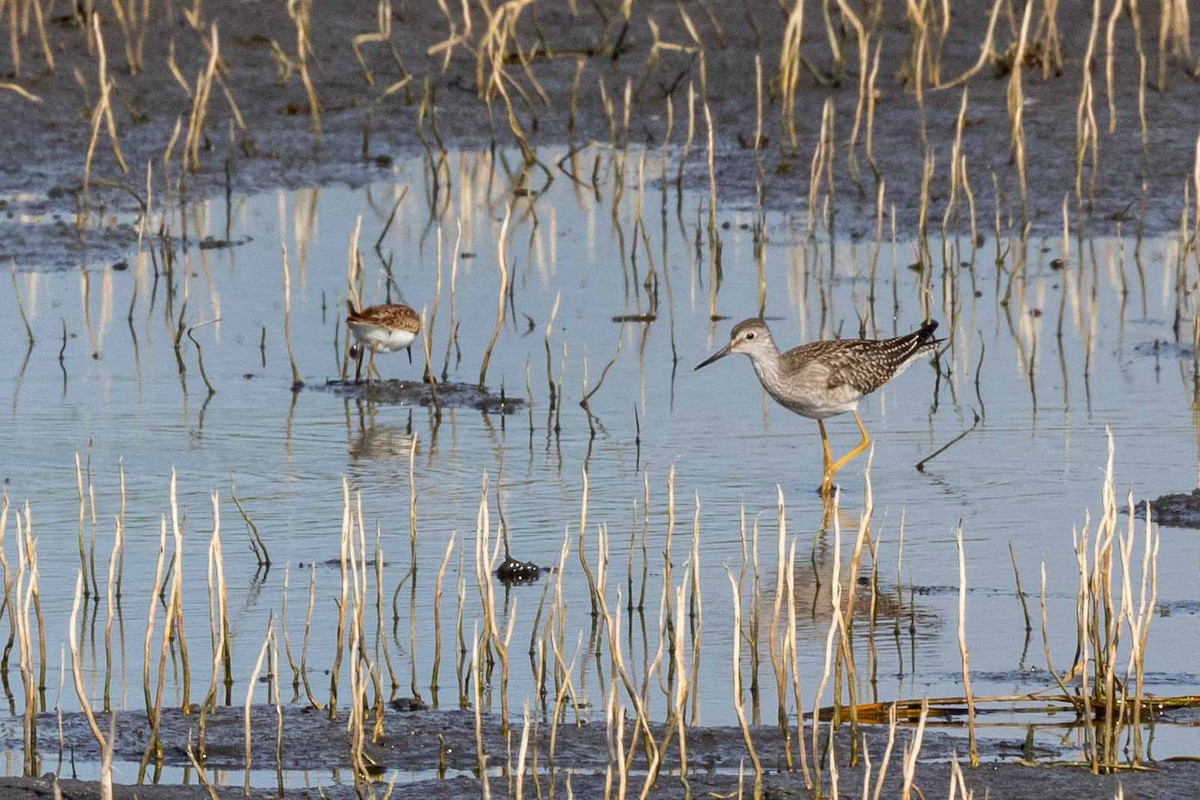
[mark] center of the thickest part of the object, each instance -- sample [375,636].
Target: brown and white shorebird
[826,378]
[381,329]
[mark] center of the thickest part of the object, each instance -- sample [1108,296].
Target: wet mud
[422,98]
[434,752]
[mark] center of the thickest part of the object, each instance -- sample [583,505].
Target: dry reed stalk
[789,75]
[217,620]
[863,38]
[887,754]
[437,619]
[1016,105]
[619,671]
[1019,591]
[344,552]
[102,113]
[1109,46]
[1174,30]
[112,594]
[177,597]
[778,660]
[1140,629]
[21,307]
[966,182]
[680,696]
[106,791]
[737,683]
[83,559]
[794,656]
[22,629]
[962,647]
[1086,131]
[312,597]
[523,752]
[195,129]
[986,53]
[477,680]
[502,293]
[911,750]
[453,326]
[150,623]
[380,639]
[485,563]
[300,12]
[382,34]
[250,684]
[835,625]
[957,164]
[297,383]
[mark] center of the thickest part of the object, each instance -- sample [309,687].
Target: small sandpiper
[826,378]
[381,329]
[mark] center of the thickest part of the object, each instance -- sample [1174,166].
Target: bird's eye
[749,336]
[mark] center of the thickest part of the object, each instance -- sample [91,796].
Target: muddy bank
[423,94]
[416,748]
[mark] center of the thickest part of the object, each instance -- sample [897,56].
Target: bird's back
[862,365]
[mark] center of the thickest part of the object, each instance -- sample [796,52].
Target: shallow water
[1025,477]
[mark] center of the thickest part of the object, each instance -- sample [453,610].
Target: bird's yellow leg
[372,368]
[863,444]
[827,475]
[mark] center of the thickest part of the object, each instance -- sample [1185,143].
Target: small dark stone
[1057,264]
[408,704]
[121,266]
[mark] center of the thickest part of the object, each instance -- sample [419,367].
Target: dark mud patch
[1181,510]
[434,753]
[417,393]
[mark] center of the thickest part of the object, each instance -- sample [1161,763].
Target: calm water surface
[1025,477]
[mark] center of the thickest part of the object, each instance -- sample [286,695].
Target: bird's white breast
[381,339]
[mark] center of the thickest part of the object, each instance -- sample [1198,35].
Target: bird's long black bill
[717,356]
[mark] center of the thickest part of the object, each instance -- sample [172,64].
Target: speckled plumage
[378,327]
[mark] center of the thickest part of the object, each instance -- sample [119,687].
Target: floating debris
[209,243]
[514,571]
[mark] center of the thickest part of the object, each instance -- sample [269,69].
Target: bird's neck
[766,365]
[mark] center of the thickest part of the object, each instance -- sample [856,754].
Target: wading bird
[826,378]
[381,329]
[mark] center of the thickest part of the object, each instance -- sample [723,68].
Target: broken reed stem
[437,618]
[101,114]
[1020,592]
[737,683]
[195,130]
[82,695]
[217,619]
[287,318]
[1016,106]
[301,13]
[21,306]
[502,293]
[268,639]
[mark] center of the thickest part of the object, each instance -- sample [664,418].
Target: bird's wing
[863,364]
